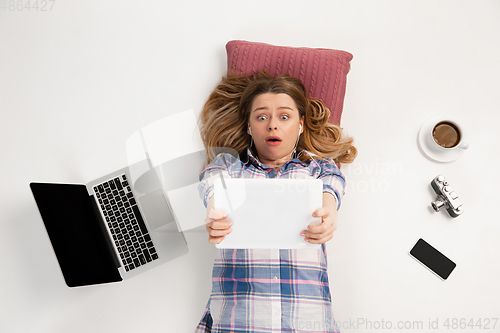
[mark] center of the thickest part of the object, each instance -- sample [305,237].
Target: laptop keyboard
[125,222]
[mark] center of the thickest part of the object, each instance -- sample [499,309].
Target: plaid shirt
[255,290]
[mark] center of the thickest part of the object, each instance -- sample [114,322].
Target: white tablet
[268,213]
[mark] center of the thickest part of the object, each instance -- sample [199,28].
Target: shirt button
[275,279]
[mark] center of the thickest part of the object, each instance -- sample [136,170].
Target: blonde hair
[224,118]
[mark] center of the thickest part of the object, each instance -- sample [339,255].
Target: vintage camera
[446,197]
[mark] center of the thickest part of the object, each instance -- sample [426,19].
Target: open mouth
[273,139]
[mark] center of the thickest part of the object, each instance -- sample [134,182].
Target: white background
[77,80]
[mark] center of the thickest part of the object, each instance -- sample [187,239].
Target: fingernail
[303,234]
[308,227]
[230,224]
[306,239]
[229,231]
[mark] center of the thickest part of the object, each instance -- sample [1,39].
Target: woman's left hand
[319,234]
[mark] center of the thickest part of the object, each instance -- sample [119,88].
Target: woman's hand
[319,234]
[216,228]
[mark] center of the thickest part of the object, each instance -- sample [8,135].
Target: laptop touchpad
[155,209]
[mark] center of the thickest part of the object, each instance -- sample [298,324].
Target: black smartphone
[431,258]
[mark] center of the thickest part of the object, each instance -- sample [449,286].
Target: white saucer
[445,156]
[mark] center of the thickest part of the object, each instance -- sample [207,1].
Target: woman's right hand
[216,228]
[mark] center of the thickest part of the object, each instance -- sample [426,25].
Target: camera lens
[437,204]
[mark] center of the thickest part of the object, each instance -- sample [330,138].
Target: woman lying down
[278,132]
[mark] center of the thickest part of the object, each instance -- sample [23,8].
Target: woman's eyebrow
[266,108]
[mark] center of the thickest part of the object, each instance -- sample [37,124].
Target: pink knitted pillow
[322,71]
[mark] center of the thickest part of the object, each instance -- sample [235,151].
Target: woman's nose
[272,124]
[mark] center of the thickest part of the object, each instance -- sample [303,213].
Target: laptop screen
[76,231]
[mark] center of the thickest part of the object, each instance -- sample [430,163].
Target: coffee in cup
[446,134]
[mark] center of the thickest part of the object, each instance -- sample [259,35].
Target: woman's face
[274,123]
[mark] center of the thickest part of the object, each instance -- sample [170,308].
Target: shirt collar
[247,158]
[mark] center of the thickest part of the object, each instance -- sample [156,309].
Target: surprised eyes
[282,117]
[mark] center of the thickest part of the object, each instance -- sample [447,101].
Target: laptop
[104,232]
[268,213]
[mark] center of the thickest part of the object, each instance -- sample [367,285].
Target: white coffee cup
[446,134]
